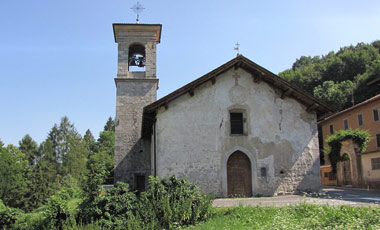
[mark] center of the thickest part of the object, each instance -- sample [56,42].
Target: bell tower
[136,86]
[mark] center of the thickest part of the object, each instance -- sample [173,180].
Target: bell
[132,61]
[141,62]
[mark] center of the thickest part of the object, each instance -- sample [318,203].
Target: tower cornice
[130,27]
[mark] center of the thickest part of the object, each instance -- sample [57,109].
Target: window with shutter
[345,122]
[331,129]
[360,119]
[376,114]
[375,162]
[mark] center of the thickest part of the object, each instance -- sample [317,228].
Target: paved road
[328,195]
[351,194]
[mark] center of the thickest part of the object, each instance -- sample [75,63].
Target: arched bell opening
[136,57]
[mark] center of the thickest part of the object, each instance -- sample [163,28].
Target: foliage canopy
[340,79]
[358,136]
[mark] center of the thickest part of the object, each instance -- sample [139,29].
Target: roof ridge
[352,107]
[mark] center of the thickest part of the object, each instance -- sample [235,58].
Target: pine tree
[30,148]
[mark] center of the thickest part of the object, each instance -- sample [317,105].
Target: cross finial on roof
[137,8]
[237,48]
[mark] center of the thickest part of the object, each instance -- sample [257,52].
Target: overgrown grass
[304,216]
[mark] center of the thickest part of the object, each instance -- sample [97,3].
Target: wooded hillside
[340,79]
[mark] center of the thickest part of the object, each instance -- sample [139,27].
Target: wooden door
[239,178]
[347,172]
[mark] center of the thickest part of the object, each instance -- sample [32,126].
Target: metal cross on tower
[137,8]
[237,48]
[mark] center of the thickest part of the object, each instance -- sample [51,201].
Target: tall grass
[304,216]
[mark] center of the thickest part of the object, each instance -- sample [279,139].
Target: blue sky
[59,57]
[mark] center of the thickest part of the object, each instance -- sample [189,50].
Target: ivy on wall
[358,136]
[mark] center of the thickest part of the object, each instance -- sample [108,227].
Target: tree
[327,76]
[90,141]
[44,178]
[13,170]
[30,148]
[110,125]
[335,94]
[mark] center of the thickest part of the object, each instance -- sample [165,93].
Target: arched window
[136,57]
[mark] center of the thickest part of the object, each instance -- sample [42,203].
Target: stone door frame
[253,169]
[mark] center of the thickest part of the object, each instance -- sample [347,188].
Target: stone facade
[193,137]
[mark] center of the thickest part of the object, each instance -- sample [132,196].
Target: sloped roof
[377,97]
[258,74]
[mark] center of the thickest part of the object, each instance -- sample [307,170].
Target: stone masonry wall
[134,91]
[132,154]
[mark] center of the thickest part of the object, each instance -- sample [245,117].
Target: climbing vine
[358,136]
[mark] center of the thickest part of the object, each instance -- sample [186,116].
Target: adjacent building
[363,169]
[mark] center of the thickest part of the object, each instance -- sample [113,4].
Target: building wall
[367,177]
[326,177]
[371,177]
[352,116]
[194,141]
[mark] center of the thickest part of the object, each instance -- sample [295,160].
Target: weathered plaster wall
[194,141]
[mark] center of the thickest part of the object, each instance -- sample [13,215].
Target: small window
[263,172]
[237,123]
[360,120]
[332,176]
[140,182]
[326,174]
[375,162]
[378,140]
[376,114]
[345,122]
[331,129]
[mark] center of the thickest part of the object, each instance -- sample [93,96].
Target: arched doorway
[239,179]
[346,164]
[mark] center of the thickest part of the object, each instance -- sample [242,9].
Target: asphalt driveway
[326,196]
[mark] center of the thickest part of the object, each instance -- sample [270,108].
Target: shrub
[172,202]
[57,212]
[30,221]
[113,209]
[8,216]
[168,203]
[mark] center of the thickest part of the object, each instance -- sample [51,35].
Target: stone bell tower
[136,86]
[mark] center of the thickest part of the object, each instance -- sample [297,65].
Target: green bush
[168,204]
[8,216]
[57,212]
[112,209]
[30,221]
[172,202]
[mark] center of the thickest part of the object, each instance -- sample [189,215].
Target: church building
[238,130]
